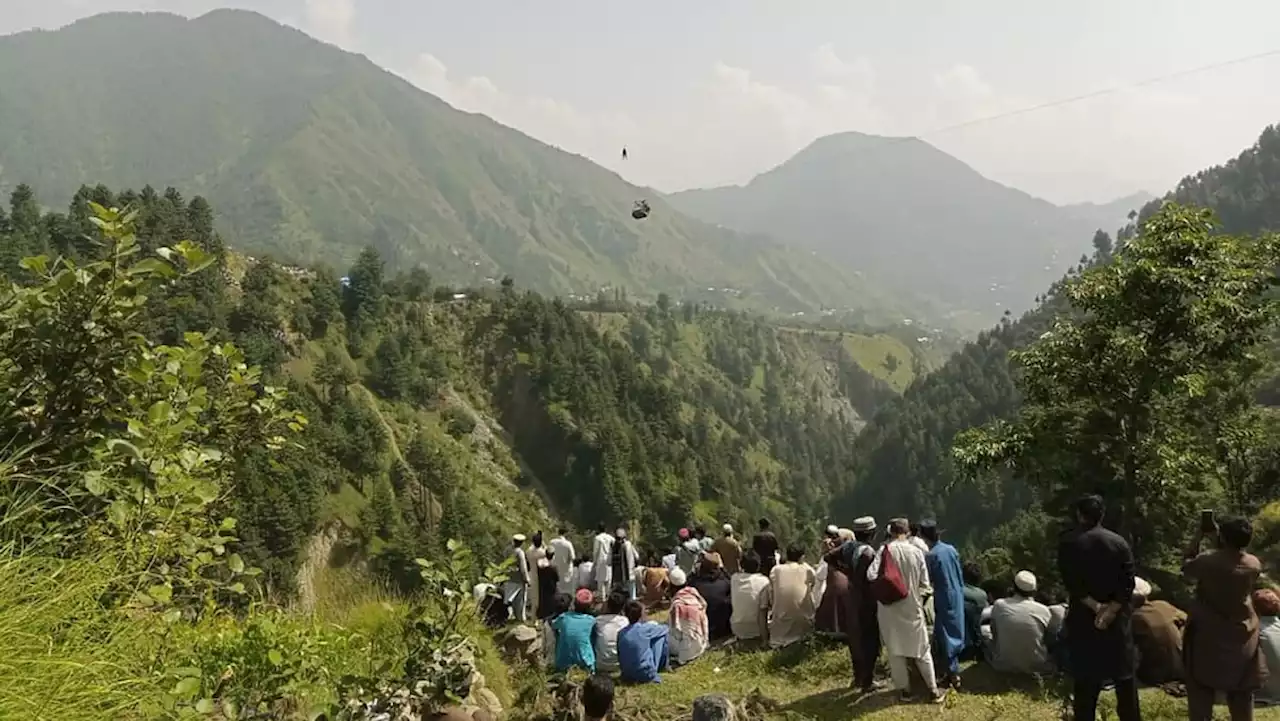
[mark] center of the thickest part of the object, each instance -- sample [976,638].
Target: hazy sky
[715,91]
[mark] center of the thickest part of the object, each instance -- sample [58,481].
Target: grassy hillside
[309,153]
[904,212]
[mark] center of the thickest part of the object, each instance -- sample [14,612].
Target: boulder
[714,707]
[521,642]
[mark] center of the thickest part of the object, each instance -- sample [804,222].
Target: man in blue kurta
[947,578]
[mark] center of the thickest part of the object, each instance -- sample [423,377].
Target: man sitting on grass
[642,647]
[574,630]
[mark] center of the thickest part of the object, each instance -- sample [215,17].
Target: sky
[714,92]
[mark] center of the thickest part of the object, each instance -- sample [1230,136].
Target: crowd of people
[904,591]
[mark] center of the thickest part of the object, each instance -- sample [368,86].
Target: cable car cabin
[641,211]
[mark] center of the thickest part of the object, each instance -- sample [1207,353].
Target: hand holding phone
[1207,522]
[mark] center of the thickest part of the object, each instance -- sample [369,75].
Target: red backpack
[889,587]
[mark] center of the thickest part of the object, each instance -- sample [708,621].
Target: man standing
[518,584]
[947,578]
[624,561]
[688,553]
[729,550]
[704,541]
[864,630]
[902,623]
[562,556]
[536,556]
[765,544]
[1097,569]
[601,555]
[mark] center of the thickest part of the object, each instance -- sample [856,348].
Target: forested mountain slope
[309,153]
[903,457]
[437,413]
[901,209]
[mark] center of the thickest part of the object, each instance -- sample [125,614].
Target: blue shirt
[573,641]
[635,651]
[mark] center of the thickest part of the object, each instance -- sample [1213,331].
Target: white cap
[518,538]
[832,530]
[677,577]
[727,528]
[1025,581]
[1141,587]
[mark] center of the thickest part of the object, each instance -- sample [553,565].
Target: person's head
[620,534]
[929,532]
[699,532]
[832,532]
[728,530]
[683,535]
[536,539]
[1266,602]
[898,527]
[864,529]
[1090,510]
[634,611]
[615,602]
[1235,533]
[561,603]
[750,562]
[602,527]
[913,529]
[580,560]
[518,540]
[583,600]
[551,553]
[763,523]
[711,564]
[1024,584]
[597,697]
[971,573]
[677,577]
[795,553]
[563,531]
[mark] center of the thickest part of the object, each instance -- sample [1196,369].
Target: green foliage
[1131,395]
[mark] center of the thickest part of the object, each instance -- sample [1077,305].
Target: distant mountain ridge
[1114,214]
[310,153]
[901,211]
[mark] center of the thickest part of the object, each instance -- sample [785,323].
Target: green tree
[1133,394]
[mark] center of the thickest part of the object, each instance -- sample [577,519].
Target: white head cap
[728,528]
[1141,587]
[833,530]
[677,577]
[518,538]
[1025,581]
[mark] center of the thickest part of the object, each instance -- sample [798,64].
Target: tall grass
[62,654]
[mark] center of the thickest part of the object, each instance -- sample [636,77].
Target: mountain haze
[903,211]
[1113,214]
[310,153]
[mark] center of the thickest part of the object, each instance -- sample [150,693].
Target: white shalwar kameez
[601,555]
[902,625]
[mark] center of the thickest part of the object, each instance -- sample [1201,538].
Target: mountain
[902,211]
[1113,214]
[309,153]
[903,455]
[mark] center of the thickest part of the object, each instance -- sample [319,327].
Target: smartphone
[1207,524]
